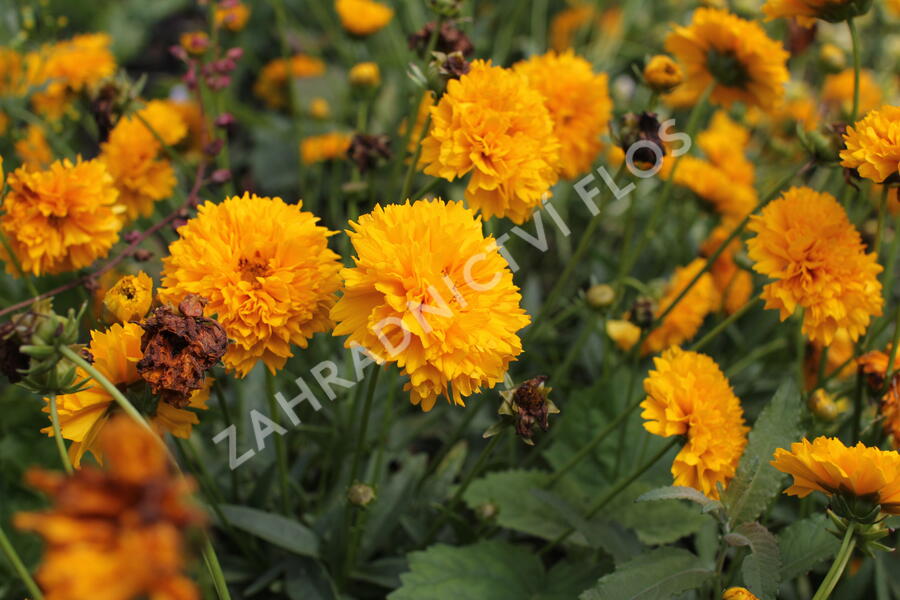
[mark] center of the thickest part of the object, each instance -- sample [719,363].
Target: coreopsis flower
[684,321]
[84,414]
[319,109]
[875,366]
[859,472]
[33,149]
[132,155]
[735,285]
[271,86]
[807,244]
[192,116]
[688,395]
[894,7]
[838,92]
[328,146]
[195,42]
[798,106]
[365,74]
[61,219]
[805,12]
[873,145]
[733,55]
[738,593]
[65,68]
[579,105]
[265,268]
[116,533]
[363,17]
[824,406]
[492,124]
[130,298]
[232,15]
[447,314]
[662,73]
[624,333]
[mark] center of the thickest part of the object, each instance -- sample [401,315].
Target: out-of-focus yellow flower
[133,156]
[363,17]
[838,92]
[130,298]
[232,15]
[807,244]
[491,124]
[875,366]
[117,533]
[319,109]
[840,352]
[195,42]
[735,285]
[422,114]
[271,86]
[832,57]
[798,106]
[807,11]
[83,415]
[894,7]
[733,55]
[873,145]
[624,333]
[567,22]
[823,405]
[192,116]
[662,73]
[579,104]
[61,219]
[320,148]
[366,74]
[687,395]
[738,593]
[826,465]
[447,314]
[266,270]
[33,149]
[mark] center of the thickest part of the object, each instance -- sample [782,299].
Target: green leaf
[494,570]
[669,521]
[285,533]
[804,545]
[677,492]
[659,574]
[761,568]
[757,482]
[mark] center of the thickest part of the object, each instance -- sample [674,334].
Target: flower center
[726,68]
[251,269]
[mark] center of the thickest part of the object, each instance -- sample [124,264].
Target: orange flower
[875,366]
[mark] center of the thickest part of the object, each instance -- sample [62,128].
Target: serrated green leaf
[669,521]
[285,533]
[757,482]
[761,568]
[659,574]
[804,545]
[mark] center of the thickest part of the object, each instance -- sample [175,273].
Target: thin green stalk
[364,424]
[280,449]
[471,412]
[18,266]
[854,38]
[57,435]
[414,161]
[19,567]
[715,331]
[882,212]
[226,414]
[615,491]
[838,566]
[215,569]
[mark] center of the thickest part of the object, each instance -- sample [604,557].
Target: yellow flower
[568,22]
[738,593]
[735,285]
[192,117]
[840,352]
[365,74]
[363,17]
[33,150]
[807,11]
[447,314]
[271,86]
[894,7]
[319,108]
[826,465]
[688,395]
[662,73]
[624,333]
[66,68]
[873,145]
[875,366]
[130,298]
[579,105]
[120,532]
[838,92]
[132,155]
[684,321]
[734,55]
[195,42]
[232,15]
[266,270]
[328,146]
[422,115]
[806,243]
[61,219]
[84,415]
[492,124]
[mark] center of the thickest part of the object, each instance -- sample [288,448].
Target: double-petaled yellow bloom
[873,145]
[807,11]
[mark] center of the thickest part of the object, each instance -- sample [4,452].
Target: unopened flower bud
[832,58]
[225,120]
[141,255]
[319,108]
[365,74]
[663,74]
[235,53]
[446,8]
[361,494]
[600,296]
[195,42]
[213,147]
[220,176]
[368,150]
[487,511]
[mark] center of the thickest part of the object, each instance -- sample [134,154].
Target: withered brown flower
[367,150]
[178,348]
[525,406]
[450,39]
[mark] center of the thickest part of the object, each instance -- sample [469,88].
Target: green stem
[615,491]
[724,324]
[882,212]
[854,37]
[280,449]
[414,161]
[57,435]
[215,569]
[19,567]
[838,566]
[364,424]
